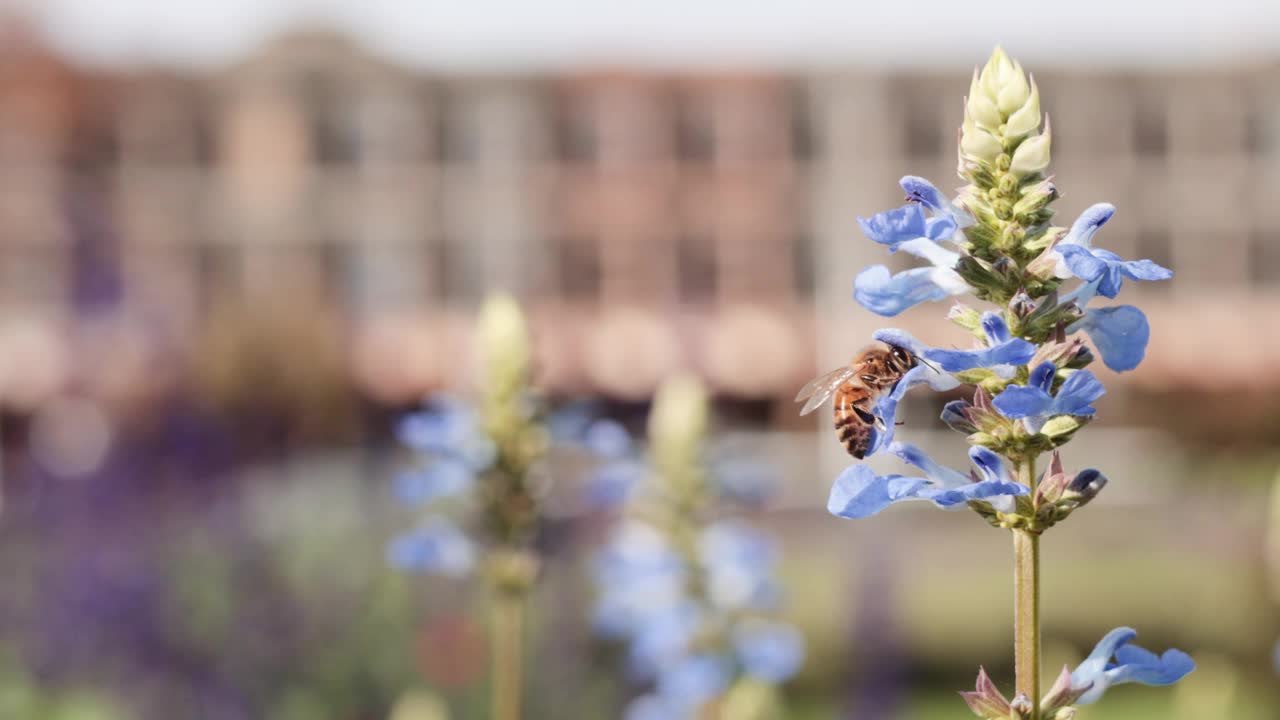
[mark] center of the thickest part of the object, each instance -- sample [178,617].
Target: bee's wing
[819,389]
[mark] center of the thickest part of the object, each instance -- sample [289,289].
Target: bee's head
[903,357]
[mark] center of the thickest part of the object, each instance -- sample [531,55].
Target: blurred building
[651,220]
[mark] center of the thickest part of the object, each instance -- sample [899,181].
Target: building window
[697,270]
[576,137]
[1264,258]
[922,129]
[802,268]
[801,121]
[331,125]
[695,132]
[577,267]
[1150,128]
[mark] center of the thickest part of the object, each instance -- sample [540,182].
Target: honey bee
[856,387]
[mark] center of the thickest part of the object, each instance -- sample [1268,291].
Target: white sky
[529,34]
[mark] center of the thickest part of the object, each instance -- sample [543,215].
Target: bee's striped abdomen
[853,421]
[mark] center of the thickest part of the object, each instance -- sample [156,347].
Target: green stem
[508,653]
[1026,604]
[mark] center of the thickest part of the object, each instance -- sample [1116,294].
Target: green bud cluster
[508,490]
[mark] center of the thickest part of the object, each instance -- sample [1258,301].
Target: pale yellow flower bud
[977,143]
[1026,118]
[1013,91]
[503,341]
[678,421]
[981,108]
[1032,156]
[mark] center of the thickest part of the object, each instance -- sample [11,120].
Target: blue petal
[886,294]
[693,681]
[924,192]
[1015,351]
[663,638]
[859,492]
[443,478]
[1145,270]
[1085,226]
[946,497]
[887,406]
[989,464]
[1143,666]
[995,328]
[651,707]
[1131,664]
[893,227]
[443,428]
[437,546]
[1082,263]
[607,438]
[772,652]
[1077,393]
[944,476]
[1020,401]
[608,486]
[1120,333]
[1042,376]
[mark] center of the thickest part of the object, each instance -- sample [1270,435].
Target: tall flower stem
[507,642]
[1026,603]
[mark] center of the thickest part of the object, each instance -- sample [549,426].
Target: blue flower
[447,428]
[651,707]
[1114,662]
[1102,269]
[1034,402]
[1120,333]
[894,227]
[641,577]
[436,546]
[443,478]
[859,492]
[1003,353]
[769,651]
[739,562]
[692,681]
[906,228]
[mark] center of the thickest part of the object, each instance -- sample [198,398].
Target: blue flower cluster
[691,592]
[693,621]
[995,242]
[447,436]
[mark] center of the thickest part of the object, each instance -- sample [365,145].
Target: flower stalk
[1026,619]
[995,242]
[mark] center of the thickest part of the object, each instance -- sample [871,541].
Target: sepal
[985,700]
[1061,697]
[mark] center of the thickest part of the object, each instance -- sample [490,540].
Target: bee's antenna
[928,364]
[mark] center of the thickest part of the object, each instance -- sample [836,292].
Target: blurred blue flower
[435,546]
[1034,403]
[1120,333]
[651,707]
[860,492]
[1114,662]
[749,481]
[640,577]
[443,478]
[908,229]
[770,651]
[692,681]
[447,428]
[1102,269]
[739,563]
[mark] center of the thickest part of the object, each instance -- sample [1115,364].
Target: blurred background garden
[238,241]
